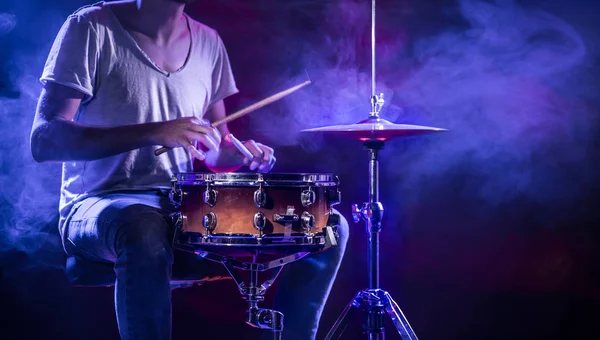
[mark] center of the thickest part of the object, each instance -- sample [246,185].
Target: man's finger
[194,152]
[207,141]
[267,152]
[257,152]
[210,131]
[267,166]
[268,158]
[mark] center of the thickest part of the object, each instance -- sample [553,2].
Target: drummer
[121,79]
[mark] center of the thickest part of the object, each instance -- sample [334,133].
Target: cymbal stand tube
[374,214]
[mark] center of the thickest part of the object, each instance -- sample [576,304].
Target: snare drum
[248,213]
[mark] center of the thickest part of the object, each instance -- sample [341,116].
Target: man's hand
[256,155]
[264,158]
[191,133]
[234,154]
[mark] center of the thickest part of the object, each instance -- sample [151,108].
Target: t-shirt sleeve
[73,57]
[222,76]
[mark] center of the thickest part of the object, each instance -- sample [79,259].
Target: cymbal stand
[373,300]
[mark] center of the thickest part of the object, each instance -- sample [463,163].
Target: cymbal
[376,129]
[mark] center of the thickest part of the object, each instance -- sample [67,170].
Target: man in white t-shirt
[121,79]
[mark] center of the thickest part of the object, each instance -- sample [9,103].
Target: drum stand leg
[374,301]
[262,318]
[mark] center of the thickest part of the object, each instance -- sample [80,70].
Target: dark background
[490,229]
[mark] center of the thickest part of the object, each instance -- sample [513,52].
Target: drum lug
[333,220]
[260,197]
[334,197]
[177,219]
[308,197]
[209,222]
[175,195]
[259,221]
[210,197]
[308,220]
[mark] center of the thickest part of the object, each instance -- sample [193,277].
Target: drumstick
[247,110]
[240,146]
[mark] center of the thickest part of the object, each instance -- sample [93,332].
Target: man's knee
[145,231]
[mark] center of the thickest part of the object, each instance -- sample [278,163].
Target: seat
[188,270]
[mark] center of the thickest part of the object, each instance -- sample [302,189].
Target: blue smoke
[511,83]
[512,88]
[28,191]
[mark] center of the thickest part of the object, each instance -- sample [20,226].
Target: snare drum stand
[374,300]
[267,319]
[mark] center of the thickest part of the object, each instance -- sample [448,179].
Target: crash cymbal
[375,129]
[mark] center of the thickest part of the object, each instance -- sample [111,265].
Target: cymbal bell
[376,129]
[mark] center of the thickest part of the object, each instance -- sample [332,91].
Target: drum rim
[250,240]
[254,179]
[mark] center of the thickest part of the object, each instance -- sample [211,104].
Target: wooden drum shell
[235,207]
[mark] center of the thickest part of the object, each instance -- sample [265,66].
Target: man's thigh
[95,224]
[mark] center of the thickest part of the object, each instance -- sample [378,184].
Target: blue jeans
[133,231]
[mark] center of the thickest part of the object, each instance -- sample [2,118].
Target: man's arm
[215,113]
[56,137]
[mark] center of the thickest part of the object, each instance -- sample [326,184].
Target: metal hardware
[374,301]
[308,197]
[281,218]
[209,221]
[266,319]
[356,214]
[333,219]
[372,213]
[177,222]
[260,197]
[308,220]
[301,180]
[331,237]
[210,196]
[175,195]
[259,221]
[254,293]
[334,197]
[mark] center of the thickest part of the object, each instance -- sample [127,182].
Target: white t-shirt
[94,54]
